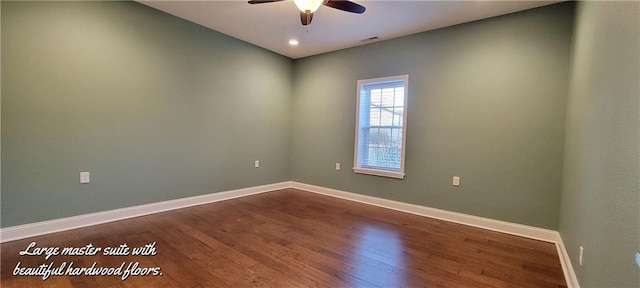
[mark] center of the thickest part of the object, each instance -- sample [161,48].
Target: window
[380,126]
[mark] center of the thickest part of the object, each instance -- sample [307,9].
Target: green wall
[486,102]
[155,107]
[600,207]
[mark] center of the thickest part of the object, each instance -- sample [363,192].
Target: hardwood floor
[291,238]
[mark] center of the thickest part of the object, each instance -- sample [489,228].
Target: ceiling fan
[308,7]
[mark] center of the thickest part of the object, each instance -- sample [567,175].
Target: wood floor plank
[292,238]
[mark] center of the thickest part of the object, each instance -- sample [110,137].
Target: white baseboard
[470,220]
[475,221]
[57,225]
[567,268]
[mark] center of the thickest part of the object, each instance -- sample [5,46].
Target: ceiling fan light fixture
[308,6]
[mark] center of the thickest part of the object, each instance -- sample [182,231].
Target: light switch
[85,177]
[256,164]
[337,166]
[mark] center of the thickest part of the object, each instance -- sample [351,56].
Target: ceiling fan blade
[346,6]
[306,18]
[263,1]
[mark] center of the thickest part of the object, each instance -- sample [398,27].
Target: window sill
[382,173]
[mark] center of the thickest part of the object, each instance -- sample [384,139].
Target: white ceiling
[272,25]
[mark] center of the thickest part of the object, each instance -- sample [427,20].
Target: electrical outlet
[581,255]
[456,181]
[85,177]
[337,166]
[256,164]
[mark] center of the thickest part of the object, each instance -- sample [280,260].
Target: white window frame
[373,170]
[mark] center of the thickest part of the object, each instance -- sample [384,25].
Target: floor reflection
[378,258]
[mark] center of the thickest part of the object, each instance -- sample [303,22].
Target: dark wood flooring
[291,238]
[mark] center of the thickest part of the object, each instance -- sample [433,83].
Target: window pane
[399,97]
[386,117]
[397,116]
[385,137]
[376,137]
[376,95]
[374,117]
[396,138]
[387,97]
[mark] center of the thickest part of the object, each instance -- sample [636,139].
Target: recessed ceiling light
[293,42]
